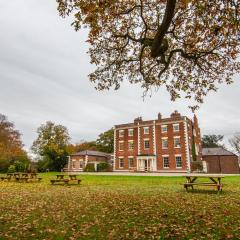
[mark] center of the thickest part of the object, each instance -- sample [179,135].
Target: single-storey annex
[220,160]
[78,161]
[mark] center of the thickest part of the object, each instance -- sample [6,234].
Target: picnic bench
[21,177]
[215,181]
[66,179]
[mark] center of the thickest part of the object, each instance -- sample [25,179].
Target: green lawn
[114,207]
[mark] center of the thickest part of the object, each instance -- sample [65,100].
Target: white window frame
[121,133]
[121,142]
[130,157]
[164,126]
[131,141]
[178,146]
[74,164]
[81,162]
[165,138]
[174,125]
[121,159]
[165,156]
[146,139]
[176,160]
[146,130]
[130,131]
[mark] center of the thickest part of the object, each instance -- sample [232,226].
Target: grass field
[114,207]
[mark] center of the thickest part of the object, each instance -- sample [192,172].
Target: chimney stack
[159,116]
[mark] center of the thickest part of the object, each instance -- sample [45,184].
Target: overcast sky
[43,76]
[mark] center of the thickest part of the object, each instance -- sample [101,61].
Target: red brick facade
[164,144]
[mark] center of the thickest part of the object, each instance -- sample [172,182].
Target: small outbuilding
[220,160]
[78,161]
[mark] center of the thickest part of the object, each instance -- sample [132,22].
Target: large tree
[105,141]
[211,141]
[235,143]
[73,148]
[11,146]
[51,145]
[189,46]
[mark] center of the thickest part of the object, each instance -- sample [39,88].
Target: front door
[146,165]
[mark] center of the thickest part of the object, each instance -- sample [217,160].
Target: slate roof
[217,151]
[91,153]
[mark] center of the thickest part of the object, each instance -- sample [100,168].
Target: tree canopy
[105,141]
[235,143]
[11,146]
[188,46]
[211,141]
[51,144]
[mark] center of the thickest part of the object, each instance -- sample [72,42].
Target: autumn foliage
[188,46]
[11,147]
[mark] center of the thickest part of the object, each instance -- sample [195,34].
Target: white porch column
[69,162]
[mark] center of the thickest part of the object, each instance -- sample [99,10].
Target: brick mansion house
[161,145]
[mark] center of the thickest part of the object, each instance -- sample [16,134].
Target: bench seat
[65,181]
[217,185]
[203,183]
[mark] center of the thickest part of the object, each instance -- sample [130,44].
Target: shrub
[89,168]
[20,166]
[197,166]
[103,167]
[11,169]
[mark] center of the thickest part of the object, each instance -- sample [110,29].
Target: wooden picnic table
[215,180]
[22,177]
[65,178]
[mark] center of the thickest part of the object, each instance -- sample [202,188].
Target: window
[164,143]
[121,133]
[130,162]
[81,164]
[165,162]
[146,144]
[176,127]
[73,163]
[164,128]
[178,161]
[130,132]
[177,142]
[130,145]
[121,146]
[146,130]
[121,162]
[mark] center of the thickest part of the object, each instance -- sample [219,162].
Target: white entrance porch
[146,163]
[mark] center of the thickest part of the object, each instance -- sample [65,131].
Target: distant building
[160,145]
[78,161]
[220,160]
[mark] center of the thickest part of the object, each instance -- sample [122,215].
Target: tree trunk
[163,28]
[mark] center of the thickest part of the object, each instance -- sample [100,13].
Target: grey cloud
[43,76]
